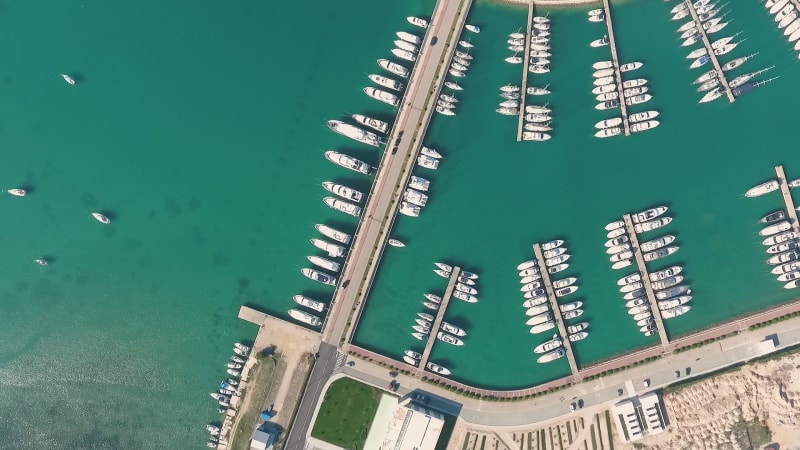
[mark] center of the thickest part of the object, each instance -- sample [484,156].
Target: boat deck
[714,59]
[525,63]
[787,198]
[648,287]
[617,74]
[551,296]
[437,321]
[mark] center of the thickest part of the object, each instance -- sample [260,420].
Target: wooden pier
[710,50]
[648,287]
[525,64]
[551,296]
[787,198]
[437,321]
[617,74]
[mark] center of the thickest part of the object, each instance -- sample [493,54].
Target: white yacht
[673,302]
[18,192]
[642,116]
[608,132]
[540,127]
[468,289]
[615,225]
[343,191]
[612,242]
[614,249]
[530,264]
[784,247]
[763,188]
[782,258]
[630,279]
[553,252]
[547,346]
[417,21]
[386,81]
[101,218]
[602,42]
[453,85]
[698,52]
[324,263]
[630,66]
[509,88]
[534,90]
[657,243]
[542,327]
[557,259]
[675,312]
[780,238]
[334,251]
[456,73]
[652,224]
[632,92]
[419,183]
[648,214]
[608,123]
[552,245]
[409,209]
[305,317]
[660,253]
[397,69]
[563,292]
[408,37]
[605,89]
[449,339]
[452,329]
[638,99]
[469,298]
[309,303]
[602,73]
[333,233]
[375,124]
[472,28]
[621,256]
[667,283]
[465,44]
[603,81]
[348,162]
[535,136]
[383,96]
[535,302]
[445,111]
[665,273]
[343,206]
[674,291]
[435,368]
[538,118]
[410,361]
[428,162]
[712,95]
[567,307]
[559,352]
[508,111]
[407,46]
[321,277]
[415,197]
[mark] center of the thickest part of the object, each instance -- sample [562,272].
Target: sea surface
[200,131]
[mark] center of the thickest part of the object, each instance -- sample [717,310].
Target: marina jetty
[437,321]
[787,199]
[648,287]
[525,71]
[551,296]
[710,51]
[612,42]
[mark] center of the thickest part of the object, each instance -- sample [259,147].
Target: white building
[640,416]
[413,427]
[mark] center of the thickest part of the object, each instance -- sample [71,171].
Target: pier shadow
[461,321]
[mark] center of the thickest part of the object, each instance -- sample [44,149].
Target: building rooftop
[413,427]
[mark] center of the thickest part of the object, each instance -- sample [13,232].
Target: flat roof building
[638,417]
[413,427]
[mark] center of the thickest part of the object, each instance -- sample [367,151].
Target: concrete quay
[525,72]
[787,199]
[648,287]
[556,311]
[437,321]
[710,51]
[626,126]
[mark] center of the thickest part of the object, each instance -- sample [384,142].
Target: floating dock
[648,287]
[617,74]
[787,198]
[710,50]
[437,321]
[525,64]
[551,296]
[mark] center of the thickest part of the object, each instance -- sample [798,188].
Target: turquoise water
[493,197]
[200,130]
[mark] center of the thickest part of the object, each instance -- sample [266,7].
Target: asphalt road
[323,368]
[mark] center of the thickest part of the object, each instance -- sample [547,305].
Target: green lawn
[346,414]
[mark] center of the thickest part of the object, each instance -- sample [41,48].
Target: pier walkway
[617,74]
[525,72]
[437,322]
[399,159]
[648,287]
[551,296]
[787,198]
[710,50]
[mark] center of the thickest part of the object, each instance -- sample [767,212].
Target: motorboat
[324,263]
[318,276]
[383,96]
[784,247]
[773,217]
[416,21]
[397,69]
[616,241]
[511,104]
[630,66]
[409,37]
[348,162]
[652,224]
[657,243]
[334,251]
[575,313]
[557,268]
[430,305]
[615,225]
[640,301]
[433,298]
[449,339]
[305,317]
[789,276]
[638,99]
[607,97]
[608,123]
[468,289]
[556,260]
[535,302]
[786,268]
[534,288]
[445,267]
[540,127]
[465,44]
[540,54]
[552,253]
[638,309]
[780,238]
[527,265]
[435,368]
[508,111]
[445,111]
[343,191]
[242,347]
[618,248]
[599,65]
[665,273]
[410,361]
[421,328]
[469,298]
[403,45]
[536,311]
[632,92]
[343,206]
[617,257]
[579,336]
[603,81]
[516,48]
[463,55]
[420,336]
[534,90]
[538,317]
[542,327]
[386,81]
[634,83]
[563,292]
[539,118]
[619,232]
[782,258]
[696,53]
[535,136]
[608,132]
[734,63]
[459,67]
[602,73]
[375,124]
[673,302]
[241,351]
[333,233]
[602,42]
[630,287]
[220,397]
[547,346]
[566,307]
[763,188]
[607,105]
[642,116]
[534,68]
[776,228]
[648,214]
[472,28]
[569,281]
[660,253]
[675,312]
[536,109]
[667,282]
[452,329]
[404,54]
[309,303]
[597,19]
[532,280]
[674,291]
[629,279]
[101,218]
[17,192]
[514,41]
[233,373]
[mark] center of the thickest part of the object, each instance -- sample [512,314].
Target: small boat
[547,346]
[438,369]
[638,309]
[607,96]
[615,225]
[445,111]
[597,19]
[660,253]
[712,95]
[472,28]
[348,162]
[375,124]
[469,298]
[41,262]
[532,280]
[430,305]
[698,52]
[17,192]
[602,73]
[420,336]
[234,365]
[453,329]
[464,288]
[534,90]
[530,271]
[411,361]
[101,218]
[318,276]
[607,105]
[396,243]
[453,85]
[675,301]
[773,217]
[573,314]
[309,303]
[345,192]
[639,99]
[68,78]
[219,397]
[537,127]
[786,268]
[602,42]
[465,44]
[563,292]
[427,162]
[233,372]
[603,81]
[578,336]
[421,329]
[324,263]
[416,21]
